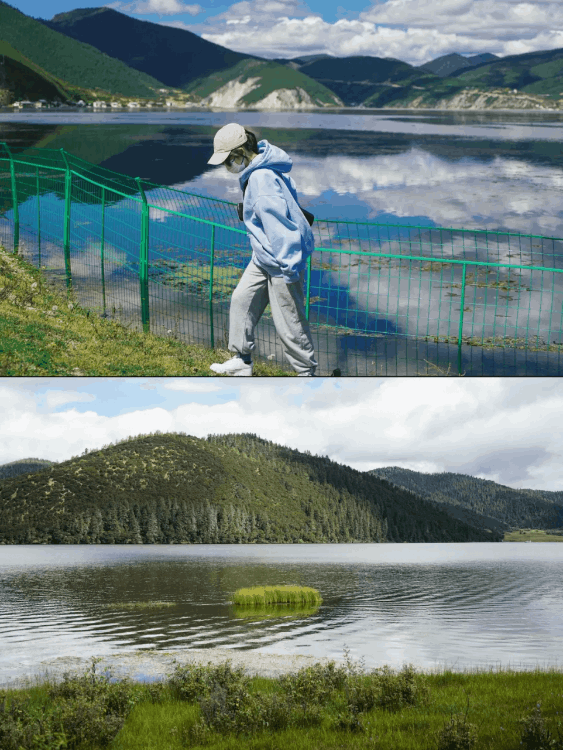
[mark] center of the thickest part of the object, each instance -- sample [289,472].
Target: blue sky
[503,429]
[415,31]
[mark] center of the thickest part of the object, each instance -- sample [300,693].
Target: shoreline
[151,665]
[334,110]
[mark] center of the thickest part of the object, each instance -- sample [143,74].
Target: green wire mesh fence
[381,299]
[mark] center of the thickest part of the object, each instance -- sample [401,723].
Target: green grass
[266,595]
[45,332]
[319,707]
[532,535]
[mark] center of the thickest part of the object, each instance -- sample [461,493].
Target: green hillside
[533,72]
[358,79]
[74,65]
[174,56]
[23,466]
[429,88]
[272,77]
[447,65]
[379,82]
[21,79]
[176,489]
[467,497]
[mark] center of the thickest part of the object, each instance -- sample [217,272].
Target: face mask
[236,168]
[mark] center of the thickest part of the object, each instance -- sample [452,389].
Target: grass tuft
[268,595]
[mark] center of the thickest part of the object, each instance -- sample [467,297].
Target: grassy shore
[46,332]
[531,535]
[318,708]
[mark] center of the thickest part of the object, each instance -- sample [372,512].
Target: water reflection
[467,169]
[472,604]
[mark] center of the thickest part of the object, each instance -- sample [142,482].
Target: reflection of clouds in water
[514,194]
[424,298]
[166,203]
[86,261]
[466,193]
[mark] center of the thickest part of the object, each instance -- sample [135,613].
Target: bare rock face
[479,100]
[230,97]
[296,98]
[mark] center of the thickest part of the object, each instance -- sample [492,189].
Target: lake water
[500,171]
[481,170]
[460,606]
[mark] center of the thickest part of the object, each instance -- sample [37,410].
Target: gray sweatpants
[287,301]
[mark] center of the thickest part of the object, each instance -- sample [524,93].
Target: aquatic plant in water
[265,595]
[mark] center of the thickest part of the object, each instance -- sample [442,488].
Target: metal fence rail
[382,299]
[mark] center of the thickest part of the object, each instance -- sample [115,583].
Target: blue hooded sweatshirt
[280,235]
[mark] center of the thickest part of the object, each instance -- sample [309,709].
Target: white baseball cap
[229,137]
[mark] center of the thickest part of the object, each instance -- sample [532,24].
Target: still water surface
[460,606]
[480,170]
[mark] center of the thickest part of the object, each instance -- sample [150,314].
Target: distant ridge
[174,56]
[447,65]
[481,502]
[23,466]
[72,65]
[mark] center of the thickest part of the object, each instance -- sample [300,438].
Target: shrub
[457,735]
[313,684]
[348,722]
[535,735]
[90,709]
[88,722]
[386,690]
[194,681]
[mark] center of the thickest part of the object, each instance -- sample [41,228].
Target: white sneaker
[308,374]
[235,367]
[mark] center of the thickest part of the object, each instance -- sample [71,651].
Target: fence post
[38,217]
[211,284]
[66,233]
[14,200]
[308,286]
[461,319]
[144,260]
[102,249]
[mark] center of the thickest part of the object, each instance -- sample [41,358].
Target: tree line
[174,488]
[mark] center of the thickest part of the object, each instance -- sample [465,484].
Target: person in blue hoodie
[281,241]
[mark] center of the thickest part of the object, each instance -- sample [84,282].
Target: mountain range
[238,488]
[101,54]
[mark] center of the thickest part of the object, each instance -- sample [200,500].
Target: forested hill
[175,488]
[472,499]
[23,466]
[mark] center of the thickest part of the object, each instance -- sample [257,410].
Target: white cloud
[190,386]
[160,7]
[501,429]
[59,398]
[415,31]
